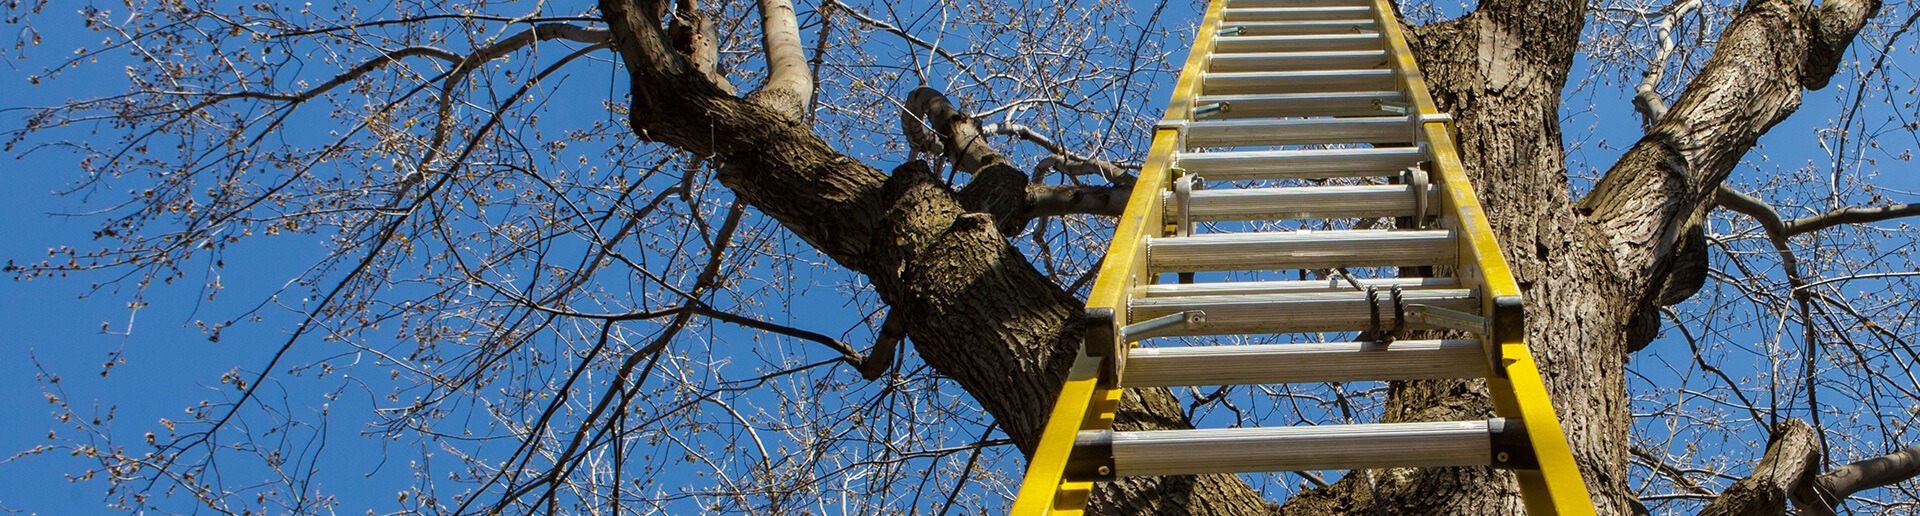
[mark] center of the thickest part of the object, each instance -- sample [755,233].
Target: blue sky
[165,363]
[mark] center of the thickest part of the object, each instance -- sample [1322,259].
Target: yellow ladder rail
[1550,480]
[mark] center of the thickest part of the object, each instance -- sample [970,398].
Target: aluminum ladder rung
[1305,81]
[1311,202]
[1300,250]
[1297,43]
[1297,313]
[1295,3]
[1299,448]
[1305,363]
[1319,12]
[1290,286]
[1309,27]
[1301,164]
[1298,61]
[1275,95]
[1283,105]
[1309,131]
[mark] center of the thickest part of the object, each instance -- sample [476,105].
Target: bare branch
[1824,494]
[1054,200]
[1646,98]
[789,80]
[1065,161]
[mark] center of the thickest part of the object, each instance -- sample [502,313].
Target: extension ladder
[1276,94]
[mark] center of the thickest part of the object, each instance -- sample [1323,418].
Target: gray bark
[979,313]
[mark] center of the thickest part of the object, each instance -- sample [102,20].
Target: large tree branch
[1778,227]
[1821,496]
[975,309]
[1793,455]
[1770,51]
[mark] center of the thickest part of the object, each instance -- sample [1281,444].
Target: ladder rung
[1305,363]
[1310,202]
[1314,81]
[1284,287]
[1308,131]
[1301,164]
[1299,448]
[1317,12]
[1300,250]
[1355,103]
[1294,3]
[1297,61]
[1297,313]
[1298,43]
[1289,28]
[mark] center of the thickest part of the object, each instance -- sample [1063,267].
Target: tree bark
[977,311]
[980,314]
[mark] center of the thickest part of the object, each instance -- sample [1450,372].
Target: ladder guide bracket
[1162,326]
[1449,319]
[1509,325]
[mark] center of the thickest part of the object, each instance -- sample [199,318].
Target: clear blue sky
[169,364]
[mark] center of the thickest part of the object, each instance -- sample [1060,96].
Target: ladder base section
[1104,454]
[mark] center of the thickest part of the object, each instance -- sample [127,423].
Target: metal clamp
[1375,333]
[1183,187]
[1417,181]
[1420,121]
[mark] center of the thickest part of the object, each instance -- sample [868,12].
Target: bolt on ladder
[1283,92]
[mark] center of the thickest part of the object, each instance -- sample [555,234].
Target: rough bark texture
[1591,272]
[1792,458]
[977,311]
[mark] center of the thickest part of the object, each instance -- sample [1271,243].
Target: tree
[531,287]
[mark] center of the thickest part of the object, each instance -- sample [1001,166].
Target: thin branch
[1646,98]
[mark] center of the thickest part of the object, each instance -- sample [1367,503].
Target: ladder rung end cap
[1511,447]
[1092,457]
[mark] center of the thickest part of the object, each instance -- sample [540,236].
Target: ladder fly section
[1301,144]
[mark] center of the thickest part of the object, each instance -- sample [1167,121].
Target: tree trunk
[980,314]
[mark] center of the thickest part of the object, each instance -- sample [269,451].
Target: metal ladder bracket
[1509,324]
[1163,326]
[1100,337]
[1449,319]
[1510,447]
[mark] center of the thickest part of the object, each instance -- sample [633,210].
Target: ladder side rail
[1557,486]
[1516,387]
[1187,90]
[1087,401]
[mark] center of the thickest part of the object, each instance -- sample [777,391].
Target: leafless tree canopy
[825,256]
